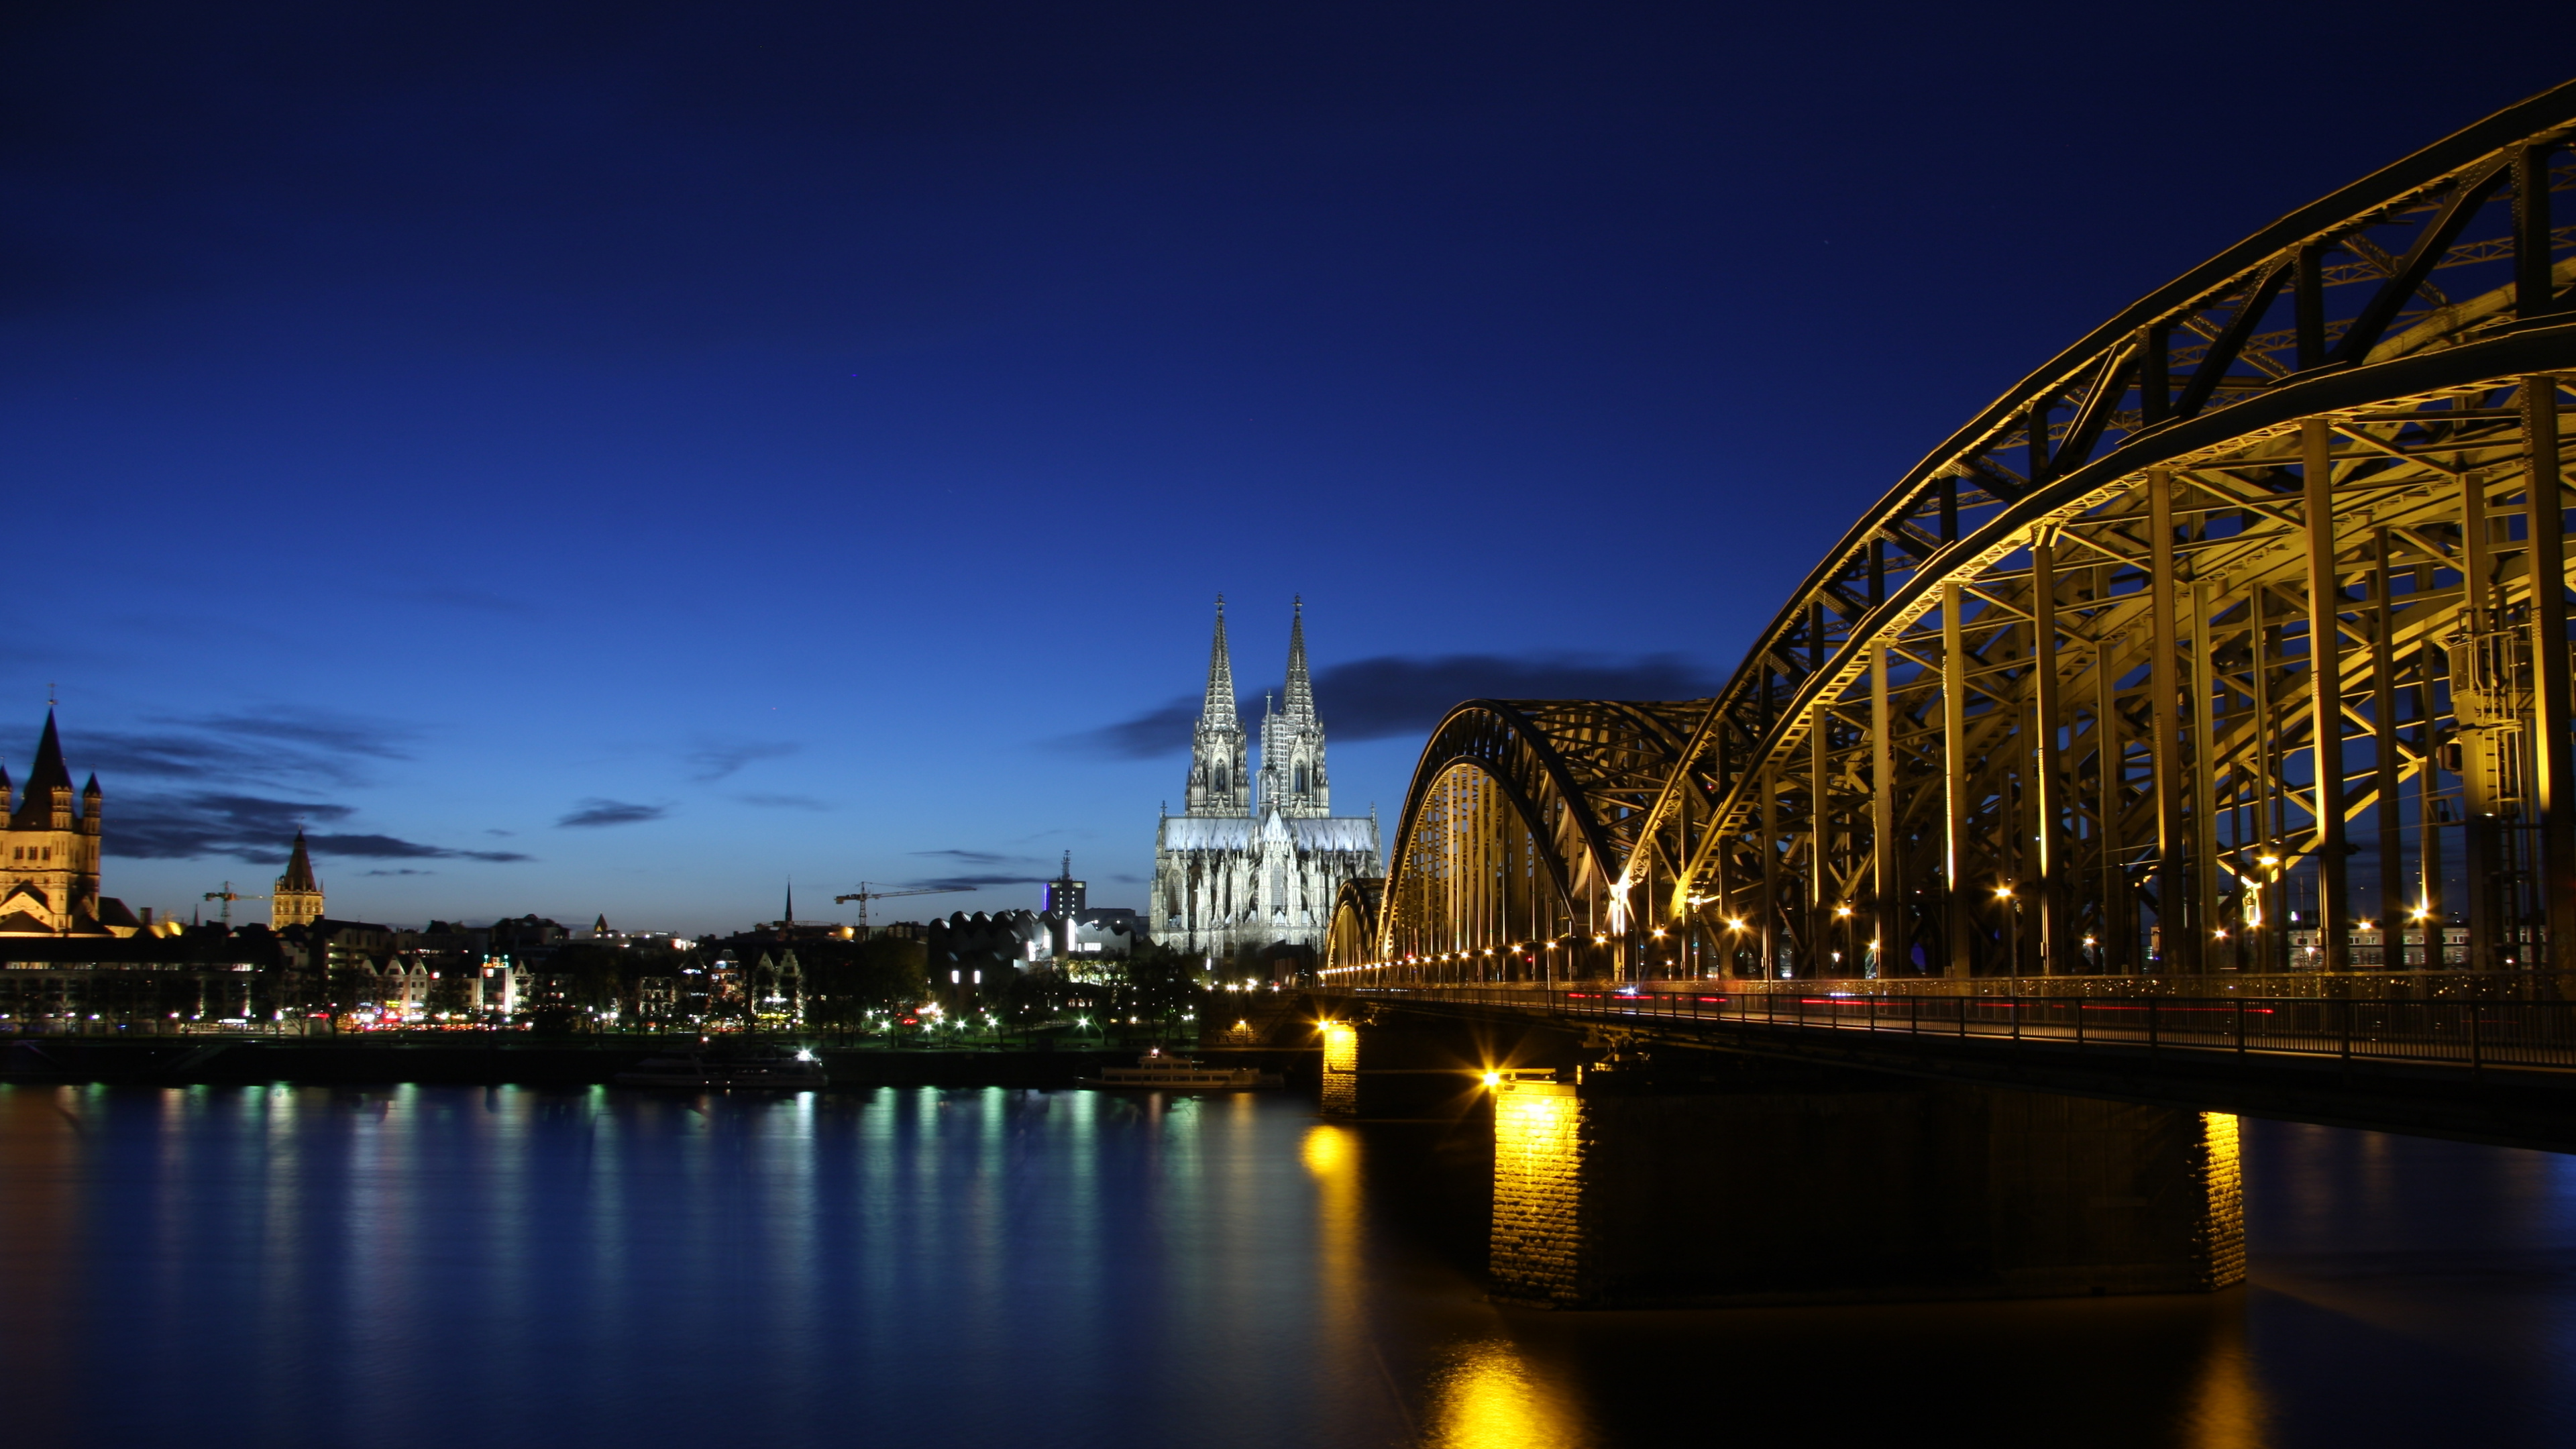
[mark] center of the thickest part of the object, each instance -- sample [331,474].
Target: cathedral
[1256,861]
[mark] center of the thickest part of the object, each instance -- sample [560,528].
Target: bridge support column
[1846,1188]
[1341,1069]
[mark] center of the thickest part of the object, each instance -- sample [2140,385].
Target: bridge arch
[2053,704]
[1514,829]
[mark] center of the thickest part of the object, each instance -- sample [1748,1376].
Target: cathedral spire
[1219,709]
[1301,689]
[1219,783]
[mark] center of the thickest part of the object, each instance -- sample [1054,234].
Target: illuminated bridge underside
[2054,704]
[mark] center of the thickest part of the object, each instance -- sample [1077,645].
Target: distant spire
[299,869]
[44,777]
[600,926]
[1219,709]
[791,902]
[1301,689]
[48,771]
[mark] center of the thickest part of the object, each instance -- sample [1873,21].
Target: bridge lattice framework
[2213,643]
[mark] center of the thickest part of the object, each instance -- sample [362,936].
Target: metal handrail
[2475,1035]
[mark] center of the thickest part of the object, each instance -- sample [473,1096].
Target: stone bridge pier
[1790,1185]
[1629,1175]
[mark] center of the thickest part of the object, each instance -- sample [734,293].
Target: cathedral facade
[1255,861]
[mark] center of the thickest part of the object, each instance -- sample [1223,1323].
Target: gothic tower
[49,876]
[299,896]
[1219,783]
[1292,740]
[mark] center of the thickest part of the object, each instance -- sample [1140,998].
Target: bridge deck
[2488,1071]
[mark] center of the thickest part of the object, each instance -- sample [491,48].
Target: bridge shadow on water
[2402,1290]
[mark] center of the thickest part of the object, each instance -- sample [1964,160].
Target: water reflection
[293,1266]
[1490,1397]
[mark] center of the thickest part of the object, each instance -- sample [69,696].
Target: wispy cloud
[595,812]
[406,870]
[710,760]
[967,882]
[1392,695]
[256,829]
[783,802]
[280,746]
[970,857]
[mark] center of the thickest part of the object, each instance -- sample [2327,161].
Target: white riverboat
[1158,1071]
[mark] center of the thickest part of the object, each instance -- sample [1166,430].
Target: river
[436,1266]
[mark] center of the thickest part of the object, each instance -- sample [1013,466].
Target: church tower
[1292,740]
[49,866]
[1219,783]
[299,896]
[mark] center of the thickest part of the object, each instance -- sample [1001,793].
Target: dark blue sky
[613,458]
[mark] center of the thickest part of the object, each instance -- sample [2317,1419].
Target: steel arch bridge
[2212,644]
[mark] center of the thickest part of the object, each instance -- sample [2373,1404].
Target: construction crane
[863,895]
[228,895]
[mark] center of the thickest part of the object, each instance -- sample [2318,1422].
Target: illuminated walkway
[2494,1071]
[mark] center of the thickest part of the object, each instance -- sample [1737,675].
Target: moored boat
[1157,1071]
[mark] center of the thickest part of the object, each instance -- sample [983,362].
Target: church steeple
[1300,704]
[1219,706]
[49,786]
[298,897]
[1292,739]
[1219,783]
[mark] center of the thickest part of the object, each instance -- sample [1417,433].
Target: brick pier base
[1883,1192]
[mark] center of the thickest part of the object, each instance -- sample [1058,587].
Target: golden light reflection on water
[2227,1408]
[1491,1398]
[1327,1151]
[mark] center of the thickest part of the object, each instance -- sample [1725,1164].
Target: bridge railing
[2469,1034]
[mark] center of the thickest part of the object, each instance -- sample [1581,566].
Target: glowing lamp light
[2003,893]
[1842,910]
[1735,923]
[1493,1079]
[2268,860]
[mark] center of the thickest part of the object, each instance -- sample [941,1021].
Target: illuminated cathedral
[1256,861]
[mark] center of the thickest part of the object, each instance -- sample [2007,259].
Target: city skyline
[617,469]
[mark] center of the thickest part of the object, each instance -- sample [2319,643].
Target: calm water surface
[438,1266]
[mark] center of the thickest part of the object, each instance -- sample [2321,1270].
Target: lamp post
[2012,925]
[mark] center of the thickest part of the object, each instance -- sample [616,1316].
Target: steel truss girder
[1893,694]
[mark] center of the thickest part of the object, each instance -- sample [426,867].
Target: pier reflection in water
[419,1266]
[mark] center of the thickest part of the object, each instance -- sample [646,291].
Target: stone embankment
[496,1060]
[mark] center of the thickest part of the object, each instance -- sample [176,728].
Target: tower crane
[863,895]
[228,895]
